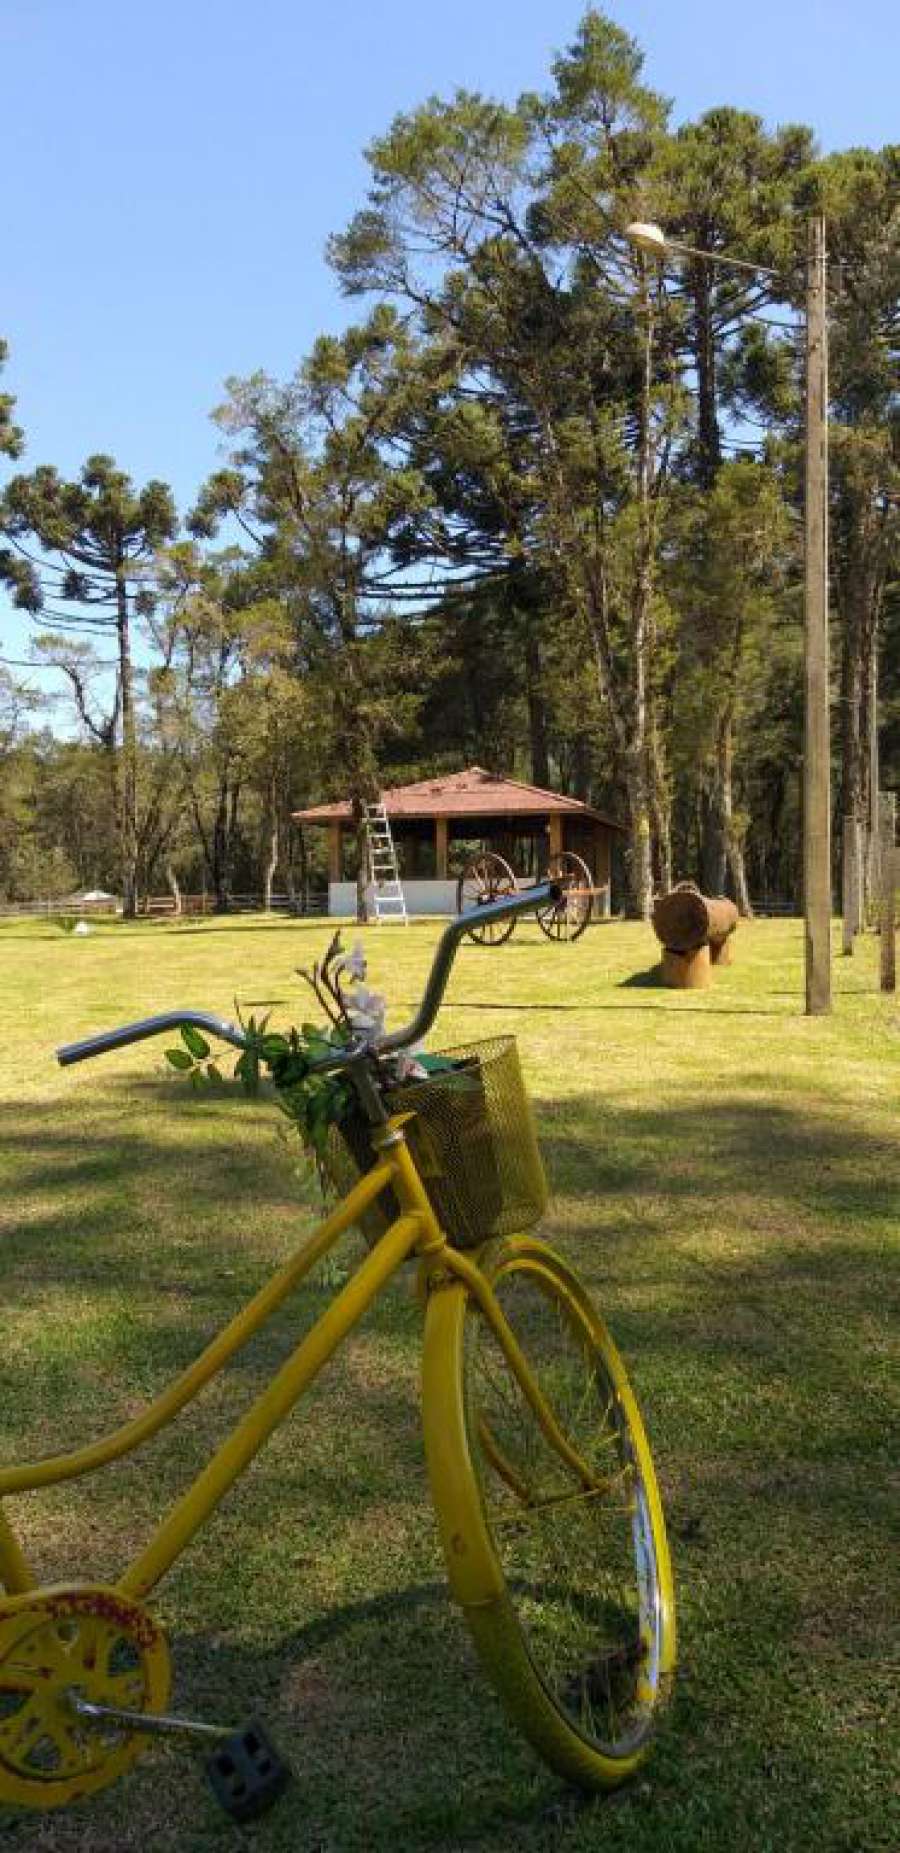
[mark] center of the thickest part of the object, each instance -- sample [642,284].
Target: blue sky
[172,173]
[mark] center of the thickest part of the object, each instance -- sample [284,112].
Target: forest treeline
[539,507]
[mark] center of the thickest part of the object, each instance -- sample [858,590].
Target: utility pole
[817,747]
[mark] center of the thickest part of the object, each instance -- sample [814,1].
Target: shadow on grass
[230,923]
[499,1007]
[390,1731]
[739,1245]
[723,1148]
[214,924]
[650,980]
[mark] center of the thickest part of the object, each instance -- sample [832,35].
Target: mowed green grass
[725,1172]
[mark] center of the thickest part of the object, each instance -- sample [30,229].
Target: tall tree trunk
[627,691]
[362,861]
[852,751]
[734,848]
[270,868]
[660,799]
[661,821]
[354,743]
[271,862]
[269,872]
[709,448]
[219,866]
[856,647]
[299,839]
[639,853]
[640,772]
[128,779]
[218,848]
[537,707]
[713,848]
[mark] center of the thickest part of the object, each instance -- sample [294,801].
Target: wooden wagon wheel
[486,878]
[568,917]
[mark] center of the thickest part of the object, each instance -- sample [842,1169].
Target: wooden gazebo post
[441,834]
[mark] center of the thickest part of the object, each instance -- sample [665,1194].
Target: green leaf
[246,1069]
[273,1046]
[192,1039]
[180,1059]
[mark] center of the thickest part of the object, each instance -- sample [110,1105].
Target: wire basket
[474,1142]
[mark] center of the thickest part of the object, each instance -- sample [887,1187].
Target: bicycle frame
[415,1232]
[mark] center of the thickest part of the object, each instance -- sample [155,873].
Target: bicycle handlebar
[538,896]
[149,1026]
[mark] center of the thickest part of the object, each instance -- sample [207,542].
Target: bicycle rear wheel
[560,1563]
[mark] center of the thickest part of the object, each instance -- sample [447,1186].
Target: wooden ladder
[387,888]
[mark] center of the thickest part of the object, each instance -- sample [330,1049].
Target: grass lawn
[726,1174]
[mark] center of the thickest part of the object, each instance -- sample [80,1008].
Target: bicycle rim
[576,1622]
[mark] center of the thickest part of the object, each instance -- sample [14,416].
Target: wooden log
[686,971]
[684,919]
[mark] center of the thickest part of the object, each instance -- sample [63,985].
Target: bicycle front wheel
[558,1554]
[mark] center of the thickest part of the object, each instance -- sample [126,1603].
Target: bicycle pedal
[246,1773]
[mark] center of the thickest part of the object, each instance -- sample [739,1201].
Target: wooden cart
[488,877]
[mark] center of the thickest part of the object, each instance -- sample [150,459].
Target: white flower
[355,962]
[366,1011]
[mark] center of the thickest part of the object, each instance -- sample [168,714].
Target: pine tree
[98,536]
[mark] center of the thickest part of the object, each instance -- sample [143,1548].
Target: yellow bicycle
[538,1462]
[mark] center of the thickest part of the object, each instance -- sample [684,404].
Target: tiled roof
[473,793]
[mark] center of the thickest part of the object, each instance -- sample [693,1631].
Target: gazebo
[438,824]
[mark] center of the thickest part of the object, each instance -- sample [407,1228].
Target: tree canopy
[538,504]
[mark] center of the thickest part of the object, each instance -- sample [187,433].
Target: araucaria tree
[96,537]
[861,194]
[500,230]
[319,481]
[11,436]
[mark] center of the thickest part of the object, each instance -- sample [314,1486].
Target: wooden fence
[163,906]
[49,910]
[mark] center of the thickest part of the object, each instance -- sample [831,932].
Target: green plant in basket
[314,1102]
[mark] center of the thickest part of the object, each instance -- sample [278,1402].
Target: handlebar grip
[149,1026]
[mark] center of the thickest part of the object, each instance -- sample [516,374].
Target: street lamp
[652,240]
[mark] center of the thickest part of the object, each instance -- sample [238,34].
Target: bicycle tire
[509,1518]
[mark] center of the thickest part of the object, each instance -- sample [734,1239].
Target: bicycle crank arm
[154,1723]
[244,1770]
